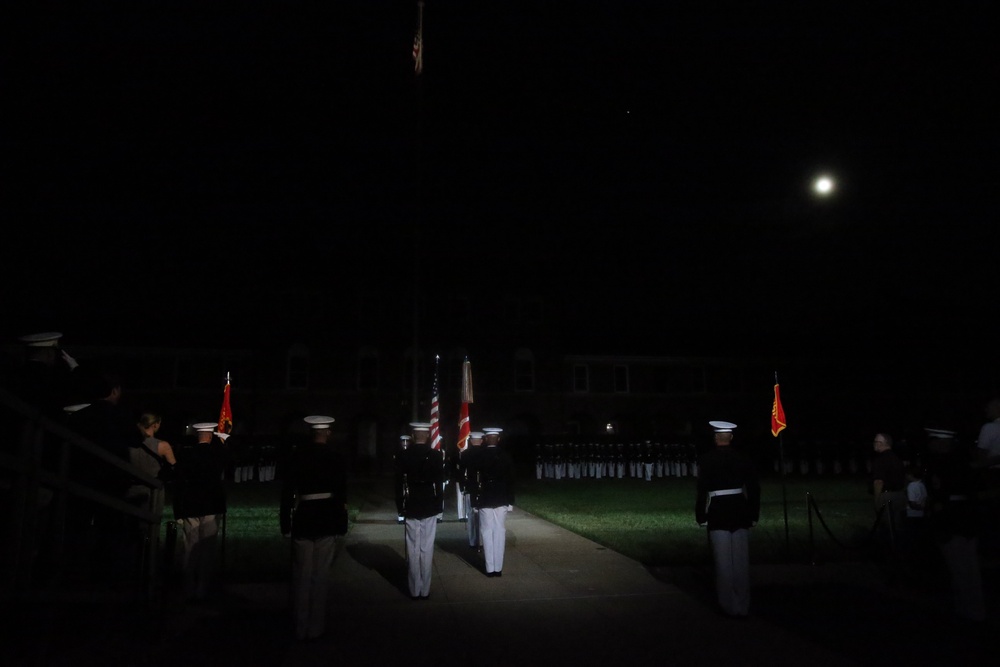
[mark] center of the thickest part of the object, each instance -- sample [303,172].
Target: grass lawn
[651,522]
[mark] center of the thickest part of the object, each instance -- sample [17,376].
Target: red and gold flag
[226,413]
[777,413]
[464,425]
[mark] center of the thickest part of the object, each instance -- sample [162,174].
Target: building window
[367,370]
[621,379]
[524,370]
[581,378]
[297,368]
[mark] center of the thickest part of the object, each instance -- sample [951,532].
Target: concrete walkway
[562,600]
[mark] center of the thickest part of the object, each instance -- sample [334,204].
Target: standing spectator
[988,472]
[915,528]
[888,486]
[988,442]
[955,522]
[313,513]
[104,536]
[200,508]
[466,479]
[154,456]
[493,498]
[419,480]
[728,503]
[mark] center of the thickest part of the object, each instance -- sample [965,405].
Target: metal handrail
[24,476]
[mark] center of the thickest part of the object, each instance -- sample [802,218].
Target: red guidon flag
[464,426]
[226,413]
[777,413]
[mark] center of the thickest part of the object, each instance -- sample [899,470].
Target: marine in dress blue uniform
[199,507]
[419,482]
[728,504]
[313,512]
[493,498]
[466,480]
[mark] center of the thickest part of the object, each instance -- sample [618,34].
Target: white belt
[315,496]
[724,492]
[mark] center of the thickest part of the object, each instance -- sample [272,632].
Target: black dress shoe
[498,573]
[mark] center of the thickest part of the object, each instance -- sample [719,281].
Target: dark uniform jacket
[888,467]
[492,472]
[465,467]
[112,428]
[954,508]
[315,468]
[419,482]
[198,486]
[724,468]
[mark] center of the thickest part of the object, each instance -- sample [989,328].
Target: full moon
[823,186]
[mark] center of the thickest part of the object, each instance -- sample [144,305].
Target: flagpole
[418,66]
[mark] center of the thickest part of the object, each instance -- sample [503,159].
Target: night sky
[652,155]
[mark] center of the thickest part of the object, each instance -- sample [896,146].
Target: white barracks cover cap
[318,421]
[722,427]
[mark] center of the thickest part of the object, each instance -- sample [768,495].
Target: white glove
[70,361]
[510,508]
[222,436]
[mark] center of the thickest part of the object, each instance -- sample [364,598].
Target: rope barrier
[869,538]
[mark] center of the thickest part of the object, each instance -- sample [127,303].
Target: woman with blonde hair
[151,457]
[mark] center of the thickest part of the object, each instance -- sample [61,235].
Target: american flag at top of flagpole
[464,426]
[436,410]
[418,41]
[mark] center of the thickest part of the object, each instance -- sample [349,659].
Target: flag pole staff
[784,491]
[417,69]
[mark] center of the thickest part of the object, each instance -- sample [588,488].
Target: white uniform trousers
[731,552]
[201,553]
[420,534]
[461,507]
[493,523]
[311,560]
